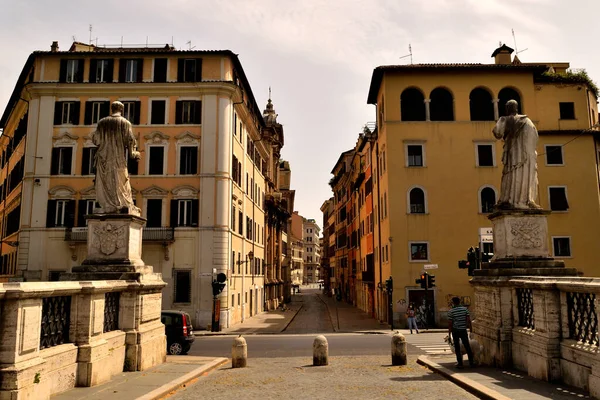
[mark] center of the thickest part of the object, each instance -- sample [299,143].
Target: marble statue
[116,144]
[519,185]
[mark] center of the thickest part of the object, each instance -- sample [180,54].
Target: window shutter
[105,109]
[79,76]
[239,174]
[58,112]
[81,206]
[138,109]
[85,161]
[174,213]
[122,69]
[87,119]
[180,69]
[70,214]
[195,209]
[51,214]
[75,113]
[68,157]
[93,65]
[54,162]
[199,70]
[63,71]
[132,166]
[140,70]
[178,111]
[197,112]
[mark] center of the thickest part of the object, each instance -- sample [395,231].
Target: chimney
[54,47]
[502,55]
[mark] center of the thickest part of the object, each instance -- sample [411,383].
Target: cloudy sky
[317,55]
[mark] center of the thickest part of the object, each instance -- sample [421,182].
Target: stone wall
[58,335]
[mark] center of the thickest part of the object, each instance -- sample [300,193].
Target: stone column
[496,110]
[427,109]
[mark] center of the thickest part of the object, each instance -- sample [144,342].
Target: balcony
[164,234]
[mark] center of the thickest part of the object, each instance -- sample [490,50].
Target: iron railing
[582,317]
[525,307]
[164,234]
[56,316]
[111,311]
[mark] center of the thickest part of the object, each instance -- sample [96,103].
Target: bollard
[239,352]
[398,349]
[320,351]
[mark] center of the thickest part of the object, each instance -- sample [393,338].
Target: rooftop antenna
[515,41]
[90,34]
[121,41]
[74,38]
[409,54]
[189,43]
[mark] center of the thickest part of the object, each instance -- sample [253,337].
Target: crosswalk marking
[430,343]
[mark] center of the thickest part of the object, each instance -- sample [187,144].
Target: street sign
[430,266]
[485,231]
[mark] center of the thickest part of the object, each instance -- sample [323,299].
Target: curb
[292,319]
[468,384]
[181,381]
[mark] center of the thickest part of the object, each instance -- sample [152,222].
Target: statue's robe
[115,142]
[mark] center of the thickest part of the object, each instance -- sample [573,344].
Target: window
[66,113]
[554,155]
[60,213]
[154,213]
[101,71]
[188,112]
[189,70]
[558,198]
[481,105]
[184,212]
[85,207]
[417,201]
[441,105]
[157,116]
[561,246]
[414,155]
[61,161]
[188,160]
[95,111]
[183,286]
[71,71]
[88,166]
[156,160]
[567,110]
[241,222]
[412,105]
[505,96]
[160,70]
[485,155]
[131,70]
[131,111]
[419,251]
[488,199]
[132,166]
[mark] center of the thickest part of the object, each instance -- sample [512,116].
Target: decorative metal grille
[111,311]
[56,316]
[525,305]
[583,321]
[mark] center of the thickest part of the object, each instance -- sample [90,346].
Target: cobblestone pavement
[364,377]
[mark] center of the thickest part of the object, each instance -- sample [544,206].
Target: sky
[316,55]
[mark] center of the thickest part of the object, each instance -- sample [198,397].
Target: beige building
[312,250]
[209,160]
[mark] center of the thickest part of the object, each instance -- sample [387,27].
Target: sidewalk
[500,384]
[151,384]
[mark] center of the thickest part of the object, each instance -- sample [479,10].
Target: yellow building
[209,160]
[436,171]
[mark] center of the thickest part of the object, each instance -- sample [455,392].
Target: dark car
[178,328]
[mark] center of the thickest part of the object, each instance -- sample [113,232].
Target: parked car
[179,331]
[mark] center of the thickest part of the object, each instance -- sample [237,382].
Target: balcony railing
[164,234]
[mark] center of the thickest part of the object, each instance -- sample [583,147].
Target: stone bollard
[320,351]
[398,349]
[239,352]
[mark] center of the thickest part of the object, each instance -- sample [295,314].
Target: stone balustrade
[545,326]
[58,335]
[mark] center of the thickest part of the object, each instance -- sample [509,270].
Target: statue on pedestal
[116,143]
[519,176]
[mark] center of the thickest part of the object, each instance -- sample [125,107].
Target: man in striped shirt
[458,322]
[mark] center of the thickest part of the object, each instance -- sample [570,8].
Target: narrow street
[313,316]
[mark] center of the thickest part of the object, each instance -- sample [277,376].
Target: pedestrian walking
[410,317]
[458,322]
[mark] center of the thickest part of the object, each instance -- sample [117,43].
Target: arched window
[504,96]
[487,199]
[417,201]
[481,105]
[441,107]
[412,105]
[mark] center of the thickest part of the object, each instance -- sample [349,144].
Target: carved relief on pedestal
[527,234]
[109,238]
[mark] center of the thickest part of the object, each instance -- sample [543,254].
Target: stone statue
[519,176]
[116,144]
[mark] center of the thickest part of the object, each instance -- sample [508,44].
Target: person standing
[410,317]
[458,322]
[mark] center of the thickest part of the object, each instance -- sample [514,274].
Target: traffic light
[423,280]
[219,284]
[389,285]
[463,264]
[430,281]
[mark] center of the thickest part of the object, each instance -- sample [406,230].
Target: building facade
[208,169]
[312,251]
[429,175]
